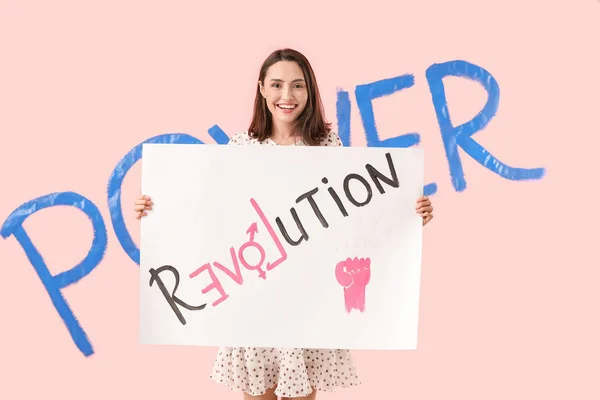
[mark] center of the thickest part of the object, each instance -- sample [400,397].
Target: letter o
[349,195]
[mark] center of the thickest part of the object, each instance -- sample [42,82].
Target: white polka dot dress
[243,138]
[295,372]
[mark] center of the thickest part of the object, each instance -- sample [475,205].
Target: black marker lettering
[170,297]
[336,198]
[304,235]
[376,175]
[349,195]
[309,196]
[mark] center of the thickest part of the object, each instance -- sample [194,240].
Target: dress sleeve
[237,139]
[332,140]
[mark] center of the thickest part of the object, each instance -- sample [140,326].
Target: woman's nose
[287,93]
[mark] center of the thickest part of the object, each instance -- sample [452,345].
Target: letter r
[461,136]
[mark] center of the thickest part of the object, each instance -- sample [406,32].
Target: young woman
[287,111]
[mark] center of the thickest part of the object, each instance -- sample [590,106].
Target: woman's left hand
[425,208]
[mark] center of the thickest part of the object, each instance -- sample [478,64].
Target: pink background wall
[509,305]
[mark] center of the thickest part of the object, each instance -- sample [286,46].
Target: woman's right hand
[142,204]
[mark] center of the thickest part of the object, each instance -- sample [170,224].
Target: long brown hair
[311,122]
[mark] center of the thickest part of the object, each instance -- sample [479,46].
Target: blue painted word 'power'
[453,137]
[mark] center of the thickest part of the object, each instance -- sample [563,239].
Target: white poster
[281,246]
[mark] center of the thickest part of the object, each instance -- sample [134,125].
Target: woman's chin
[284,118]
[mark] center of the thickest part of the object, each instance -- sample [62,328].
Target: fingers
[143,200]
[423,202]
[425,209]
[141,205]
[426,218]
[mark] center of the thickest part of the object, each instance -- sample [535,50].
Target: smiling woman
[287,111]
[288,106]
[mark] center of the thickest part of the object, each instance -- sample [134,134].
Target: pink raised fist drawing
[354,275]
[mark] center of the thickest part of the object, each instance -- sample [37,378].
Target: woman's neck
[283,134]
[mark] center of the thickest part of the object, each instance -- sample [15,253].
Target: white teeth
[286,107]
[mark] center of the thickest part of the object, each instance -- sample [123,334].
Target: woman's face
[285,91]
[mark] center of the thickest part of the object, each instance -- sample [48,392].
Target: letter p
[55,283]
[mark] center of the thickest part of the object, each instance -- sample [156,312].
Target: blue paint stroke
[54,284]
[218,135]
[116,180]
[343,110]
[365,94]
[460,136]
[430,189]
